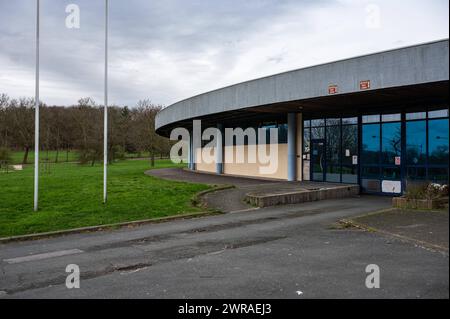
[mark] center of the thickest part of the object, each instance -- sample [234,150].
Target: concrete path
[232,200]
[280,252]
[428,227]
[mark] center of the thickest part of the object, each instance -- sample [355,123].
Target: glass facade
[265,126]
[330,150]
[427,146]
[382,152]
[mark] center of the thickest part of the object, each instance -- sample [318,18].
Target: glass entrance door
[318,160]
[382,154]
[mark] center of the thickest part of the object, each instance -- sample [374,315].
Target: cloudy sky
[167,50]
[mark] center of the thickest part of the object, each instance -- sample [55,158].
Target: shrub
[416,191]
[426,191]
[435,190]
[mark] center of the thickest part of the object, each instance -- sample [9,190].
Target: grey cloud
[167,50]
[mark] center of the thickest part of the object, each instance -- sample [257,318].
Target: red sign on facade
[364,85]
[332,89]
[398,160]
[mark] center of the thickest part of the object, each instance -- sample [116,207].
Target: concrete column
[292,147]
[191,164]
[219,149]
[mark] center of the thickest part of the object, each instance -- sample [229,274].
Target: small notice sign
[364,85]
[332,89]
[355,160]
[398,160]
[394,187]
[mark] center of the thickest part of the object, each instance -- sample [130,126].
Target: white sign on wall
[394,187]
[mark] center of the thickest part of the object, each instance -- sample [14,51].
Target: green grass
[63,156]
[71,196]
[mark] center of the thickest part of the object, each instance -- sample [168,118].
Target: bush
[89,156]
[416,191]
[435,191]
[116,153]
[426,191]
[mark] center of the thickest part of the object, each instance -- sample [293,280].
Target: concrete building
[379,120]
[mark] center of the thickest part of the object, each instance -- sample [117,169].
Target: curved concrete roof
[424,63]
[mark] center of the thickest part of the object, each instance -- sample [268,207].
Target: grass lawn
[71,196]
[63,156]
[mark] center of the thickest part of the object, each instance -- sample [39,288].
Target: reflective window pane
[349,174]
[438,142]
[306,141]
[371,118]
[438,113]
[416,173]
[333,122]
[370,144]
[438,175]
[333,145]
[320,122]
[333,173]
[317,160]
[391,117]
[391,142]
[370,172]
[349,143]
[391,173]
[416,142]
[317,133]
[416,116]
[282,134]
[350,120]
[306,123]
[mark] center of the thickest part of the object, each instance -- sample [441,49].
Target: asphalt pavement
[279,252]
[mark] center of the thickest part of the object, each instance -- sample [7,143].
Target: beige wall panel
[252,169]
[202,165]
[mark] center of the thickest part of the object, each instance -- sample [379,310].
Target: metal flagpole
[105,128]
[36,124]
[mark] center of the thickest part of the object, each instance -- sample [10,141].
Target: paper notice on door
[394,187]
[347,153]
[355,160]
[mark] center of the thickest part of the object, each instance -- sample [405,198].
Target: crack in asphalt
[212,228]
[156,256]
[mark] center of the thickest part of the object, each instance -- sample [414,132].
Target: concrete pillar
[292,147]
[191,164]
[219,149]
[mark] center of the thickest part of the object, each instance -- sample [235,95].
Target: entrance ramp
[301,192]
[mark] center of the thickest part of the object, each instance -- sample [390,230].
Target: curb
[416,242]
[90,229]
[196,200]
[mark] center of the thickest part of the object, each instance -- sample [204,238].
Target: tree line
[80,127]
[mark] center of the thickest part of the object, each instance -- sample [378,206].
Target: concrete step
[302,195]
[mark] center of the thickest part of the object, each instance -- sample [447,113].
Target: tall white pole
[105,127]
[36,119]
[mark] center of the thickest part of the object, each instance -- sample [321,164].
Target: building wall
[203,166]
[252,169]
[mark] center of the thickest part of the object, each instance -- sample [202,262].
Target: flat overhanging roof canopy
[387,100]
[417,75]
